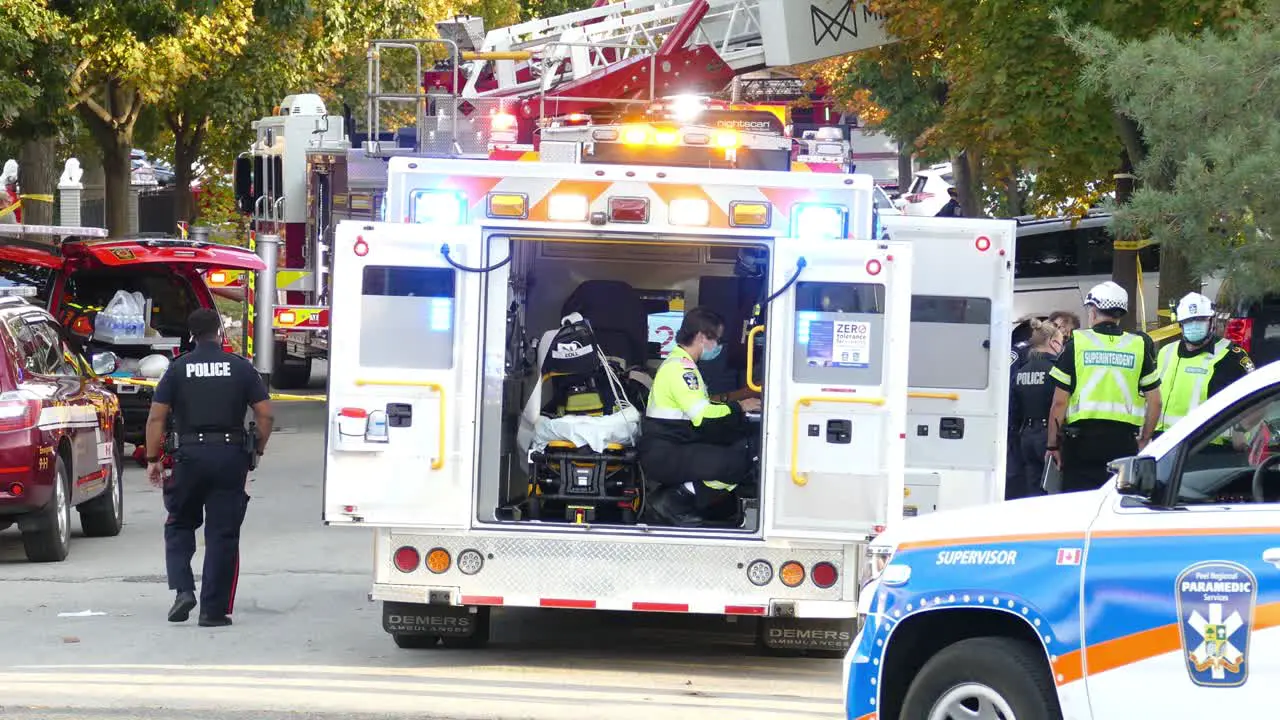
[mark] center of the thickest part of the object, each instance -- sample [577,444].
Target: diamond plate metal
[575,567]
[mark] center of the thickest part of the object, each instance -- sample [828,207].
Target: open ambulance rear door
[836,388]
[961,330]
[403,376]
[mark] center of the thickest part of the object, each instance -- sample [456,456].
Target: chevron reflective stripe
[719,197]
[665,413]
[294,280]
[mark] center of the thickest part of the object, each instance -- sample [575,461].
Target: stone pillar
[70,194]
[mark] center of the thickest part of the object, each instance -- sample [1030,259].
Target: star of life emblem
[1215,605]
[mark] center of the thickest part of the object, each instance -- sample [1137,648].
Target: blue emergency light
[822,222]
[439,207]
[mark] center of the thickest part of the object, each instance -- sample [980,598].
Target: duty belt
[234,437]
[1034,423]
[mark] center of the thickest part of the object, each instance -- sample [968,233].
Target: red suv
[60,444]
[77,279]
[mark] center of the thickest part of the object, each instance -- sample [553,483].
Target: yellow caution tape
[38,198]
[1166,332]
[1131,244]
[286,397]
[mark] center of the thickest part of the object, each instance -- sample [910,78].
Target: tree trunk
[906,173]
[967,170]
[38,175]
[1013,194]
[188,136]
[111,125]
[1124,263]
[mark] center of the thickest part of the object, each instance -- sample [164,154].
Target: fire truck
[501,95]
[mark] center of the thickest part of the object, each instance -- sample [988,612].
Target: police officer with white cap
[1195,368]
[1102,377]
[209,392]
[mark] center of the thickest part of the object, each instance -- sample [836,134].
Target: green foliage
[32,69]
[1206,106]
[535,9]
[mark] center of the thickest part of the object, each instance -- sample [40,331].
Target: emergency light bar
[812,221]
[438,207]
[18,291]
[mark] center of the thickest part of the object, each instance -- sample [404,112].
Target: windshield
[14,274]
[172,297]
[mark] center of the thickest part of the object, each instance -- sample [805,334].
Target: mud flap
[795,635]
[401,618]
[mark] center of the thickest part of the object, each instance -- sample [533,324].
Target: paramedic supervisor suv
[209,392]
[700,452]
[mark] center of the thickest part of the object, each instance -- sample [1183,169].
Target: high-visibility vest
[1108,373]
[1184,382]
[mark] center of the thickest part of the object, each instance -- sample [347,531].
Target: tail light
[1240,332]
[18,414]
[17,490]
[406,559]
[824,575]
[791,573]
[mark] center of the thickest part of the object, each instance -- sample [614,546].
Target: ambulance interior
[558,460]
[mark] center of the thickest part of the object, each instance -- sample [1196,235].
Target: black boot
[214,621]
[674,506]
[182,606]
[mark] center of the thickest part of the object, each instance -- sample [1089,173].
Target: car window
[13,274]
[917,185]
[1222,462]
[172,297]
[50,355]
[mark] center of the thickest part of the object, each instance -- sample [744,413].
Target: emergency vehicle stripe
[1079,536]
[614,604]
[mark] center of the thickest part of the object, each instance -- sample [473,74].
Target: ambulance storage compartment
[586,324]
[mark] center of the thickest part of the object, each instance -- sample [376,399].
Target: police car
[60,435]
[1157,595]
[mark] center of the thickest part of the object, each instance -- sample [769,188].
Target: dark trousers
[1013,467]
[1032,444]
[671,465]
[1087,451]
[207,488]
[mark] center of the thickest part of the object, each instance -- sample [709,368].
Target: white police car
[1156,596]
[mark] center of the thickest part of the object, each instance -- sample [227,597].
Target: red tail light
[18,414]
[1240,332]
[824,575]
[407,559]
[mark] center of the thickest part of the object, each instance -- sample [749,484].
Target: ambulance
[1157,595]
[878,346]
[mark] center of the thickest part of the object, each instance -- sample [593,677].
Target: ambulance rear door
[403,375]
[835,388]
[961,330]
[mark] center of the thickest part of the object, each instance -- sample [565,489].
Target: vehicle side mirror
[105,363]
[1135,476]
[242,182]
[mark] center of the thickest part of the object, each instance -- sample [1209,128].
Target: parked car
[60,435]
[76,279]
[928,192]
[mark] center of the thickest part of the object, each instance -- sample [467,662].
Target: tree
[536,9]
[1206,106]
[133,52]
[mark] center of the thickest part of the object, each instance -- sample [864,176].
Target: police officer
[1197,367]
[700,452]
[1032,395]
[1102,376]
[209,392]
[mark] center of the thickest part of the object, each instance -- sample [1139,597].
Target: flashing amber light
[508,205]
[750,214]
[438,560]
[727,139]
[217,277]
[791,573]
[635,135]
[666,137]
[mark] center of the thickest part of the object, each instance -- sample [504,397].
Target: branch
[99,112]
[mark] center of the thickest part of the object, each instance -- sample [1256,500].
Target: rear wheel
[983,677]
[103,516]
[49,537]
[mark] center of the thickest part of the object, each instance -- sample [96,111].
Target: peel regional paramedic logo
[1215,610]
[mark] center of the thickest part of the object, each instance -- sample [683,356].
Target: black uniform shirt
[1032,390]
[1017,356]
[210,390]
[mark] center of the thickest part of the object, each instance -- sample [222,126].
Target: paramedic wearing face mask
[1197,367]
[697,450]
[1103,376]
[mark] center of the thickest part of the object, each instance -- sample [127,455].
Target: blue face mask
[712,353]
[1195,332]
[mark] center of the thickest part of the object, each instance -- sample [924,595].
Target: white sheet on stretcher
[594,432]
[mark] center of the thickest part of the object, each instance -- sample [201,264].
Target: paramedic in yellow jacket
[699,452]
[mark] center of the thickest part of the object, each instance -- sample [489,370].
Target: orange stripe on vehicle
[869,716]
[592,189]
[993,539]
[1068,668]
[1185,532]
[784,199]
[718,218]
[475,188]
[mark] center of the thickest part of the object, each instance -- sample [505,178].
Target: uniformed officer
[1102,376]
[1197,367]
[209,392]
[1032,396]
[700,452]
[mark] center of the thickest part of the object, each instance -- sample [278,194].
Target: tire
[103,516]
[286,376]
[49,540]
[1010,675]
[415,642]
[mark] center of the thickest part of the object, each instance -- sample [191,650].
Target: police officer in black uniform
[209,392]
[1032,396]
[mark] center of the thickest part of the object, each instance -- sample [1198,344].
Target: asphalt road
[308,644]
